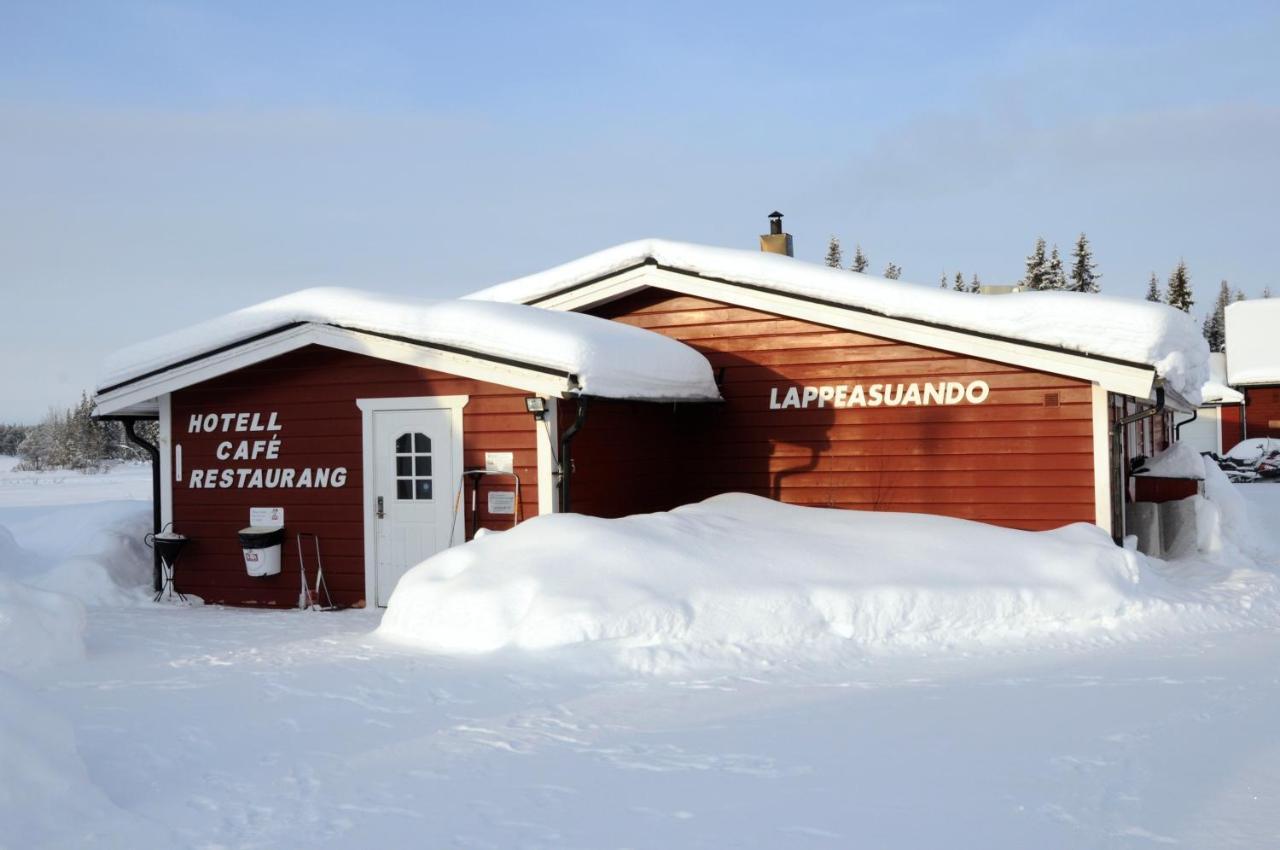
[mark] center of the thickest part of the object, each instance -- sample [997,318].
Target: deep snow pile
[609,358]
[742,579]
[56,560]
[1124,328]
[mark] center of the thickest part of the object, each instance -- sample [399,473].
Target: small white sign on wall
[266,517]
[502,502]
[499,462]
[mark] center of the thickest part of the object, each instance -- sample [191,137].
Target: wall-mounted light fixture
[537,406]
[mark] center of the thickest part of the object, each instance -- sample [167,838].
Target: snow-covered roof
[1215,390]
[1180,460]
[1253,352]
[607,359]
[1122,329]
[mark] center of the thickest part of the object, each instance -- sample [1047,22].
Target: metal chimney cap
[775,214]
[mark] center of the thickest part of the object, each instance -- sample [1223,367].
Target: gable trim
[143,389]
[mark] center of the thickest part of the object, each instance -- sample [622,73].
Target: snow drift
[1123,328]
[742,578]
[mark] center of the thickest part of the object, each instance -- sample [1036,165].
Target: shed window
[413,467]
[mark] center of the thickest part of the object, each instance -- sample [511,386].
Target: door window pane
[413,467]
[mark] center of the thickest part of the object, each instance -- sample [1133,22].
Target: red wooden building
[1253,363]
[881,400]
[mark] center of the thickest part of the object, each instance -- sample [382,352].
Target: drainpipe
[1117,448]
[154,451]
[1177,428]
[566,460]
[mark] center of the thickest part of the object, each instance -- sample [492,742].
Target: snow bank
[1229,527]
[38,628]
[109,565]
[740,577]
[1126,329]
[1252,354]
[93,553]
[1177,461]
[609,358]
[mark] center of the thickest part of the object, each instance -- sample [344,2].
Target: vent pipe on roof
[775,241]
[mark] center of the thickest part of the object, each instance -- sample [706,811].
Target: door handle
[381,514]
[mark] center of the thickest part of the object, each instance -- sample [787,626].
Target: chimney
[775,241]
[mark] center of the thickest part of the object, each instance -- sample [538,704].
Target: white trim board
[1115,377]
[369,406]
[167,470]
[1101,459]
[548,460]
[145,391]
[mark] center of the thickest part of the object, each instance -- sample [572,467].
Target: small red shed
[390,428]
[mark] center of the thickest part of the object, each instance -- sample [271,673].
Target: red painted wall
[1262,412]
[1232,426]
[1024,458]
[313,391]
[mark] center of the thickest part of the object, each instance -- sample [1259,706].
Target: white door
[413,491]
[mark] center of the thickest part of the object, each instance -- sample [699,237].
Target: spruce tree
[1215,327]
[1239,295]
[1178,293]
[975,285]
[1037,273]
[1084,278]
[834,255]
[942,281]
[893,272]
[1153,290]
[1266,292]
[1057,278]
[959,284]
[859,263]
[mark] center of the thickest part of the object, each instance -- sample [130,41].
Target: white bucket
[262,562]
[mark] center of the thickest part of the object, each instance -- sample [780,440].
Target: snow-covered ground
[211,727]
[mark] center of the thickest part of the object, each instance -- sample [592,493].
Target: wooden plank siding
[1232,422]
[314,392]
[1262,412]
[1021,459]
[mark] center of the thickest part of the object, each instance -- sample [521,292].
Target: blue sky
[164,162]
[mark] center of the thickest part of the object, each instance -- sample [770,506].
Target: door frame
[370,406]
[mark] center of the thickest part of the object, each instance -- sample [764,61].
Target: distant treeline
[11,436]
[72,439]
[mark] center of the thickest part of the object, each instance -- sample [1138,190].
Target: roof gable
[1122,333]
